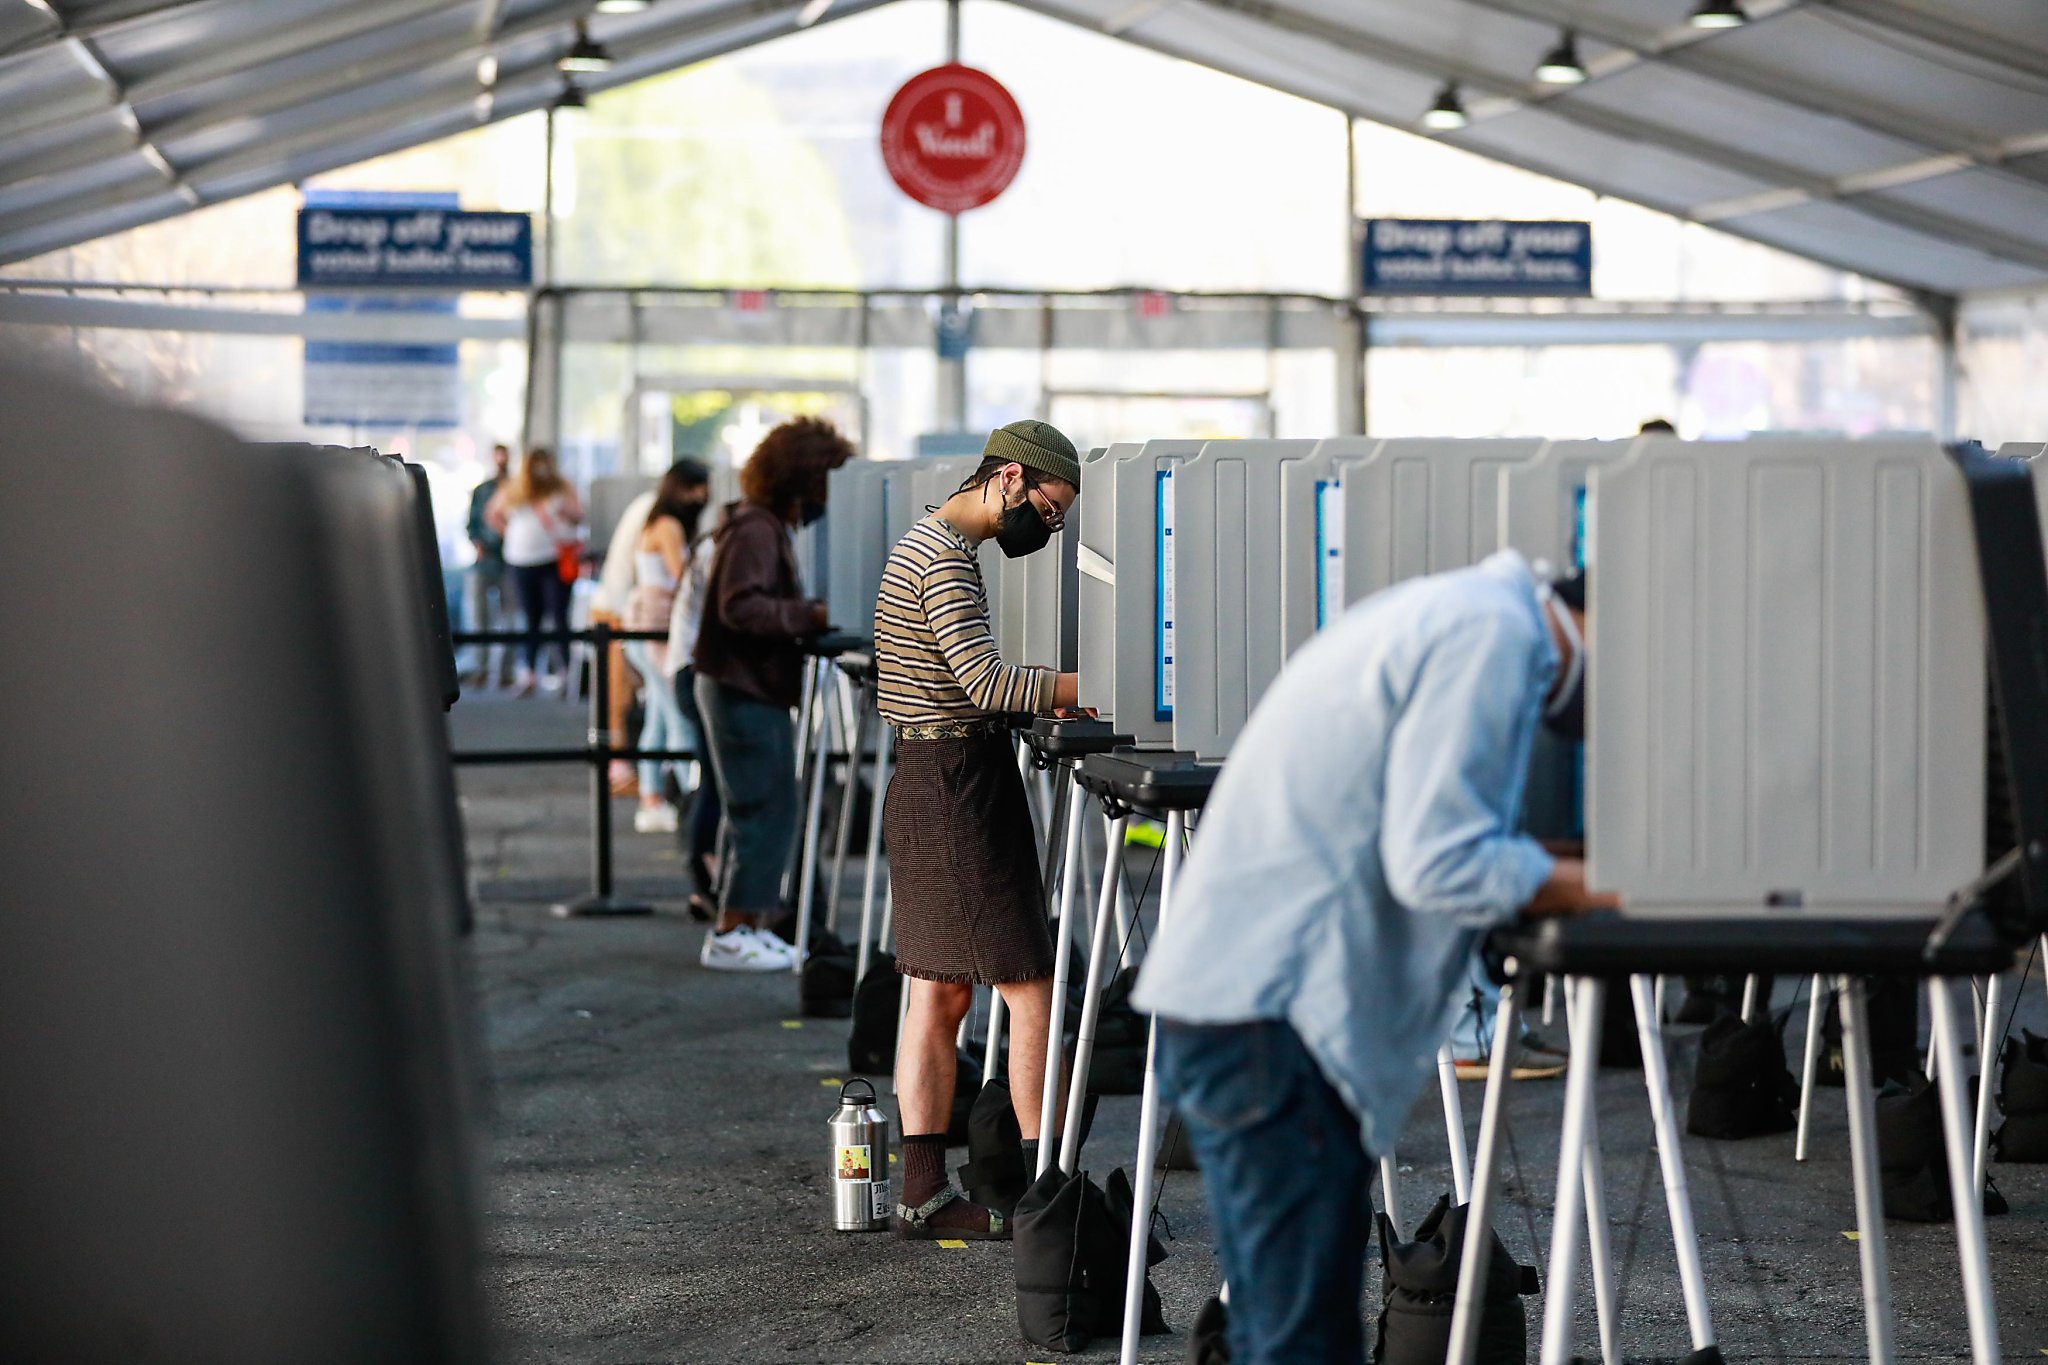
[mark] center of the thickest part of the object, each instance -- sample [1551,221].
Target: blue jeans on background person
[753,756]
[705,811]
[1289,1186]
[664,726]
[486,605]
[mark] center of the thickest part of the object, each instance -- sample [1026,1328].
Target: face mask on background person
[1021,531]
[1564,712]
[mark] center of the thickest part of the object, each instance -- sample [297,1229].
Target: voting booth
[1786,704]
[1126,556]
[857,543]
[1419,506]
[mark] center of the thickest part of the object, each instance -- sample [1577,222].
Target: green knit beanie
[1036,445]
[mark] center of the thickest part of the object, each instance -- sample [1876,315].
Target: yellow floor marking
[952,1244]
[831,1081]
[892,1158]
[792,1023]
[1853,1236]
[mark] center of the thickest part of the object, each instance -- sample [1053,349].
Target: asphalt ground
[657,1186]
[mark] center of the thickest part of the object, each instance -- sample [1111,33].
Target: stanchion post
[601,901]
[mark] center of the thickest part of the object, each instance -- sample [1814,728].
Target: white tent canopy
[1906,140]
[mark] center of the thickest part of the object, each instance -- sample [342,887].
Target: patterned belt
[953,729]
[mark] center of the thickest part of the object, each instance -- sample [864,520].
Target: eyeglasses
[1054,519]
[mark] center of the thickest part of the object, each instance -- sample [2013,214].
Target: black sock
[924,1167]
[1031,1158]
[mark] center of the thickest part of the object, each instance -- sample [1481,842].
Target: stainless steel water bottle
[862,1199]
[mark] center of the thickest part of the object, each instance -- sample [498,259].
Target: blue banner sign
[1478,256]
[390,247]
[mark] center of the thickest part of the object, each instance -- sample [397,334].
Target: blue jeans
[1289,1184]
[753,758]
[663,725]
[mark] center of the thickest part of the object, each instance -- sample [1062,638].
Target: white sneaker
[655,820]
[775,943]
[738,950]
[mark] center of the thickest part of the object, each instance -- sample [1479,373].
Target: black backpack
[1209,1338]
[1421,1293]
[994,1175]
[1912,1157]
[2023,1099]
[1117,1065]
[871,1047]
[1071,1245]
[825,990]
[1742,1088]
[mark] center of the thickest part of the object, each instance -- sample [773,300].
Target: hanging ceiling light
[1719,14]
[572,97]
[1448,112]
[586,54]
[622,6]
[1561,66]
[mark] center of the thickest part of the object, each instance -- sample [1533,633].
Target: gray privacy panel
[1228,637]
[1032,600]
[1141,675]
[858,542]
[1095,559]
[1542,502]
[1311,546]
[1786,696]
[1419,506]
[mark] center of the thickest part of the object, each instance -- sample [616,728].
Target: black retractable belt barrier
[243,1076]
[602,748]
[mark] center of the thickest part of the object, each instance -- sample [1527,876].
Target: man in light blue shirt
[1359,842]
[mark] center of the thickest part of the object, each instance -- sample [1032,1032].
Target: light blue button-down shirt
[1363,834]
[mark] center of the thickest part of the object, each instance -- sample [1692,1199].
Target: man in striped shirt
[963,863]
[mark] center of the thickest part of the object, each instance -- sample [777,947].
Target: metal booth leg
[1969,1204]
[814,810]
[849,787]
[1606,1304]
[1091,1001]
[883,746]
[1390,1187]
[1749,1000]
[1815,1013]
[992,1053]
[1148,1124]
[1987,1046]
[1583,999]
[1670,1155]
[1454,1124]
[1062,965]
[1485,1186]
[1870,1243]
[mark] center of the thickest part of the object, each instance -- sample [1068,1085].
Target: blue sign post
[394,252]
[1477,257]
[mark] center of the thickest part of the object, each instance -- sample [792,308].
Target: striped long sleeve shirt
[935,656]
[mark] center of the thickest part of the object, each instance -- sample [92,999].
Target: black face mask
[1022,531]
[810,511]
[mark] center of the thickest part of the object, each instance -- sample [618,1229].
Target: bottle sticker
[853,1163]
[884,1206]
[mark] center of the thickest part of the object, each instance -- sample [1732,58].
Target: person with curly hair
[750,664]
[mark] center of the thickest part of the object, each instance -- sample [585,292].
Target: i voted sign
[1478,256]
[953,138]
[414,248]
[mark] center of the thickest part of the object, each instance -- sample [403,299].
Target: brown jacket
[754,609]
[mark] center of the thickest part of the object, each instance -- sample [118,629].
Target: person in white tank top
[537,513]
[659,556]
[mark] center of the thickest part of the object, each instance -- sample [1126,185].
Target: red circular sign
[953,138]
